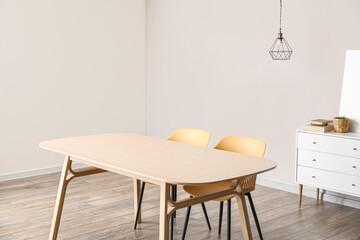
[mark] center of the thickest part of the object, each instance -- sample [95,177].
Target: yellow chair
[245,145]
[191,136]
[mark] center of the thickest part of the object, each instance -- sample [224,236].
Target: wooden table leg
[317,194]
[136,199]
[164,217]
[300,193]
[244,217]
[60,199]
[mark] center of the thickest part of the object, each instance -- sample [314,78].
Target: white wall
[208,67]
[77,67]
[68,67]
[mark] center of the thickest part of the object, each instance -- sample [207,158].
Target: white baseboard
[36,172]
[311,192]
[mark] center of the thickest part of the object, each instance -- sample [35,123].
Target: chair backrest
[245,145]
[192,136]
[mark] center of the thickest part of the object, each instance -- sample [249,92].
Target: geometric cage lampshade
[280,50]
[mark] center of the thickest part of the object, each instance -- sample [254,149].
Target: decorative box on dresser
[328,161]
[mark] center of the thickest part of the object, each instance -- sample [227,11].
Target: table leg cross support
[168,207]
[67,174]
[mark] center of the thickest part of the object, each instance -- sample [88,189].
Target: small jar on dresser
[328,161]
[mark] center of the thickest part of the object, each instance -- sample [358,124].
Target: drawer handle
[353,185]
[355,149]
[314,142]
[354,166]
[314,160]
[313,177]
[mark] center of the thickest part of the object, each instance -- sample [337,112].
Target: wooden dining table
[158,161]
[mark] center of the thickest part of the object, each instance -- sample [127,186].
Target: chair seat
[248,184]
[208,188]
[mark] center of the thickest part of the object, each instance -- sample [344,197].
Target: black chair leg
[229,219]
[206,215]
[188,216]
[254,214]
[139,206]
[220,216]
[174,196]
[186,222]
[172,227]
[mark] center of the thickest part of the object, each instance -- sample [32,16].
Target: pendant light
[280,50]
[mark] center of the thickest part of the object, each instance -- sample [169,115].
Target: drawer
[330,162]
[329,180]
[329,144]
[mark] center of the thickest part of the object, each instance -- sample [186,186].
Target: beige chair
[245,145]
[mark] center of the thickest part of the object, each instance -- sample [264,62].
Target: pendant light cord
[280,13]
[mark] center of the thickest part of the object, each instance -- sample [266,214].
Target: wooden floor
[101,207]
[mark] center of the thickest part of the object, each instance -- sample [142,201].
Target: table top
[158,160]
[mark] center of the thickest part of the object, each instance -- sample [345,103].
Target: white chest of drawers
[329,161]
